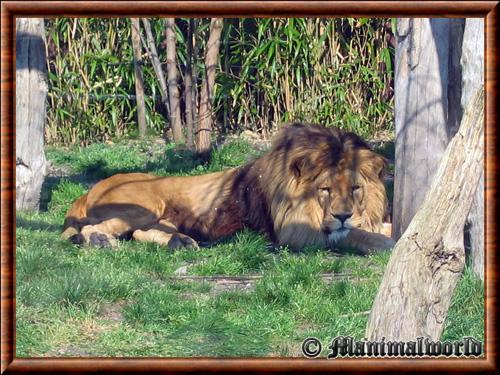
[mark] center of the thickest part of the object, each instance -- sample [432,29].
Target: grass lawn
[144,300]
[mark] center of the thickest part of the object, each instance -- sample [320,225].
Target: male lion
[316,186]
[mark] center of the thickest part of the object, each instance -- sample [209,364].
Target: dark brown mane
[253,189]
[316,145]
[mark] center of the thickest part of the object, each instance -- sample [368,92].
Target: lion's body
[276,194]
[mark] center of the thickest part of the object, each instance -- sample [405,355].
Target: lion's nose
[343,217]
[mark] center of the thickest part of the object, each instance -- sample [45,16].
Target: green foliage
[248,254]
[468,301]
[331,71]
[100,160]
[64,195]
[155,306]
[232,154]
[91,75]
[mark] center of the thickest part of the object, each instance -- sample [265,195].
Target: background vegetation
[330,71]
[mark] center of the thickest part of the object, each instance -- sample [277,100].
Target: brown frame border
[12,9]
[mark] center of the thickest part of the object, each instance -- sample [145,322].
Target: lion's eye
[355,187]
[324,190]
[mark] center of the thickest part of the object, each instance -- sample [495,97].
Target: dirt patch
[68,351]
[222,286]
[112,312]
[287,349]
[306,327]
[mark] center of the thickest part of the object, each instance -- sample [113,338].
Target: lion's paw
[181,240]
[102,240]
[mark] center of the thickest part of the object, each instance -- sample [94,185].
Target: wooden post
[427,87]
[427,261]
[204,129]
[139,80]
[173,90]
[31,92]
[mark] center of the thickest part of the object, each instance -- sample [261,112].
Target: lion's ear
[372,164]
[299,166]
[380,166]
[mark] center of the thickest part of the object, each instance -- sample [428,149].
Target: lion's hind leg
[164,233]
[104,233]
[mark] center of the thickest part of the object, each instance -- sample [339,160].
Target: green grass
[79,301]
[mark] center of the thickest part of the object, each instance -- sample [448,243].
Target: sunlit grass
[80,301]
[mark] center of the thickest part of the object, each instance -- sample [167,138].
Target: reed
[337,72]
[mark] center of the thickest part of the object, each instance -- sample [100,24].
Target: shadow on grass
[51,183]
[173,160]
[176,160]
[36,225]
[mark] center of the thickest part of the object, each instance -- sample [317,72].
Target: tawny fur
[292,194]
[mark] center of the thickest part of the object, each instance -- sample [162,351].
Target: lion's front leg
[365,242]
[164,233]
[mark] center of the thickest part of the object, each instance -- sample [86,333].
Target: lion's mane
[278,187]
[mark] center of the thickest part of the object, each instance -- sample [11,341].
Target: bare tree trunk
[472,79]
[205,111]
[427,261]
[173,90]
[31,92]
[139,80]
[227,107]
[475,230]
[188,85]
[194,95]
[427,80]
[155,61]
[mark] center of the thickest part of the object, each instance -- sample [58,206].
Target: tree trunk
[195,93]
[139,80]
[205,111]
[472,79]
[173,90]
[427,261]
[155,61]
[31,92]
[427,80]
[188,85]
[475,229]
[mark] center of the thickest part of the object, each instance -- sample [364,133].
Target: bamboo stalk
[155,61]
[173,90]
[139,80]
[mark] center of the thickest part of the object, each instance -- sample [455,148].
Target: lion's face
[341,198]
[340,193]
[322,182]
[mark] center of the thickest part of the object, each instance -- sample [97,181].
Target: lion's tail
[75,219]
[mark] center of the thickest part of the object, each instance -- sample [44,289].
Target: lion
[316,186]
